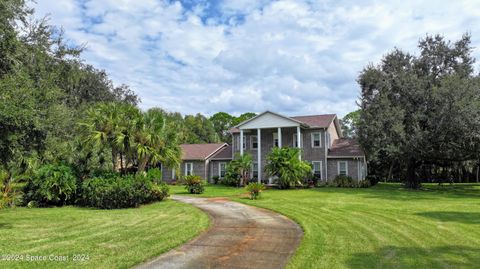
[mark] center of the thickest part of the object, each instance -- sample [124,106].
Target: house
[205,160]
[318,136]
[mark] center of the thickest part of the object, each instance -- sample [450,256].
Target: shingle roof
[223,154]
[345,147]
[318,121]
[199,151]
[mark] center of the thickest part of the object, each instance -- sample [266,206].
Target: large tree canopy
[421,110]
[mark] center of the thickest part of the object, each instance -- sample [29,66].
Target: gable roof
[223,154]
[320,121]
[200,151]
[311,121]
[269,112]
[345,147]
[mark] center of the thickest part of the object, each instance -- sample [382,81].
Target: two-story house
[318,136]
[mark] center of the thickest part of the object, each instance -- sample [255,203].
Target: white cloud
[237,56]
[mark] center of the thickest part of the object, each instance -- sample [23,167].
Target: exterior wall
[198,169]
[309,153]
[332,130]
[352,164]
[213,169]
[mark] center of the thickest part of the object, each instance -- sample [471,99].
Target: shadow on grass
[428,192]
[452,216]
[413,257]
[5,225]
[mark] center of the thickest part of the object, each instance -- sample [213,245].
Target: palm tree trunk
[114,160]
[122,170]
[142,164]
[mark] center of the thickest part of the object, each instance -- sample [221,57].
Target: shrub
[232,178]
[347,182]
[215,179]
[52,185]
[255,189]
[10,195]
[194,184]
[154,174]
[343,181]
[373,179]
[121,192]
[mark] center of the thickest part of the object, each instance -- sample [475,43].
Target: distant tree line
[419,117]
[54,106]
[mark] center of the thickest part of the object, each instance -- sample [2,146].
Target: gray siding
[352,167]
[309,154]
[198,169]
[213,169]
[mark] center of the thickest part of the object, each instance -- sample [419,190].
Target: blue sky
[294,57]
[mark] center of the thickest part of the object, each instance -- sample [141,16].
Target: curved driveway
[241,236]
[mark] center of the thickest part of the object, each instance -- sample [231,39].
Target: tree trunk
[478,170]
[122,170]
[390,171]
[142,164]
[114,160]
[412,181]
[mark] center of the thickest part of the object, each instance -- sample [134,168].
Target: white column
[241,142]
[298,141]
[279,137]
[259,154]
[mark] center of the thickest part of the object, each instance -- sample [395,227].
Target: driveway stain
[240,236]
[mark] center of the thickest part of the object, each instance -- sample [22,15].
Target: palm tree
[285,164]
[156,141]
[110,125]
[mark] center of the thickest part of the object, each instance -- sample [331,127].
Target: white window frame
[187,165]
[275,137]
[319,139]
[294,143]
[244,142]
[346,167]
[253,140]
[321,168]
[220,169]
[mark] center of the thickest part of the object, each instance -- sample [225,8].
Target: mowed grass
[110,238]
[384,226]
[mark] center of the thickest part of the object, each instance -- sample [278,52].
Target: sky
[292,57]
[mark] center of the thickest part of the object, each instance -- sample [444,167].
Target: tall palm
[110,125]
[156,141]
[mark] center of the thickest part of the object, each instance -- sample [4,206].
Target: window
[222,168]
[342,168]
[244,142]
[316,138]
[188,169]
[254,141]
[295,144]
[317,169]
[255,170]
[275,139]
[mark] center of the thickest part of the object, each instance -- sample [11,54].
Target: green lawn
[384,226]
[110,238]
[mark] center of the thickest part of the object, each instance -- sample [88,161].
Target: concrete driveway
[241,236]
